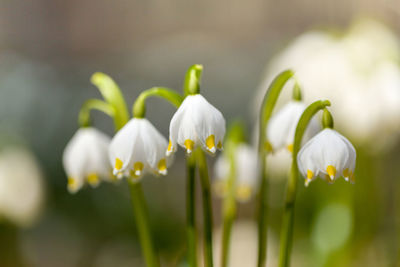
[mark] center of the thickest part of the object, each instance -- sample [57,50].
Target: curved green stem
[207,207]
[139,107]
[191,85]
[267,107]
[142,222]
[191,211]
[97,104]
[288,214]
[112,94]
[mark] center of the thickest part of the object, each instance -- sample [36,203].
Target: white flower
[138,148]
[21,187]
[246,170]
[196,123]
[328,155]
[282,126]
[85,158]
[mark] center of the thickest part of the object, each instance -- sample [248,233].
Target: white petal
[333,151]
[306,162]
[282,125]
[187,136]
[121,147]
[209,124]
[98,162]
[246,160]
[155,146]
[174,127]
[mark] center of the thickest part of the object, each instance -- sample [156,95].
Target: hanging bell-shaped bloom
[246,173]
[196,123]
[282,126]
[328,155]
[85,158]
[138,148]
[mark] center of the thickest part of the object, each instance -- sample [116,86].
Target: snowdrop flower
[138,148]
[282,126]
[246,168]
[196,123]
[328,155]
[85,158]
[22,189]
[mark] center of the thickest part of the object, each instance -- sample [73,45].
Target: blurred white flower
[138,148]
[246,170]
[21,186]
[282,126]
[328,155]
[85,158]
[196,123]
[359,72]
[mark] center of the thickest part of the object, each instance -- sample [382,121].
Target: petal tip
[163,172]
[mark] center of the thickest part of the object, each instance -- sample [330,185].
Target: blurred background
[346,51]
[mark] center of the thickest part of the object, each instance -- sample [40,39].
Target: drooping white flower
[21,186]
[196,123]
[328,155]
[138,148]
[246,173]
[85,158]
[282,126]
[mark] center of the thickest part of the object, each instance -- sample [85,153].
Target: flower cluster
[138,147]
[360,72]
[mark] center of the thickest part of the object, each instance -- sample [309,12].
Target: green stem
[229,207]
[139,107]
[288,213]
[207,207]
[94,104]
[191,211]
[9,246]
[142,223]
[112,94]
[267,107]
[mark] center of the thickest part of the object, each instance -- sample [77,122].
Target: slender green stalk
[10,246]
[91,104]
[229,209]
[112,94]
[288,213]
[191,211]
[142,223]
[139,107]
[267,107]
[207,207]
